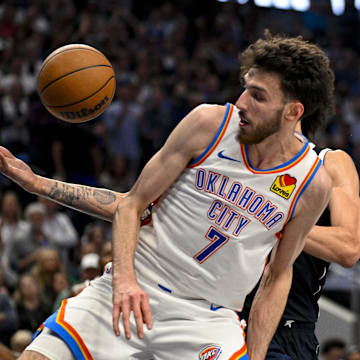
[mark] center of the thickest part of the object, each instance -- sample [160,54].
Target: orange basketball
[76,83]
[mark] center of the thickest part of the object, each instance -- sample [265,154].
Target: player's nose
[241,101]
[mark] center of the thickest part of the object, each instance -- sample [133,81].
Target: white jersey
[211,232]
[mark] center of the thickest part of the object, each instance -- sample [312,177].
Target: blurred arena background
[169,56]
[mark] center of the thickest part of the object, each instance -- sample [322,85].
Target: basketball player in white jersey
[234,183]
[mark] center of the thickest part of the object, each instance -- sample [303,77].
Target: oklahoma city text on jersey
[236,194]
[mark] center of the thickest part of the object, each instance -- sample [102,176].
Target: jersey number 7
[217,240]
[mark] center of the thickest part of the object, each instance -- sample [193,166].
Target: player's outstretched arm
[271,297]
[189,139]
[101,203]
[339,242]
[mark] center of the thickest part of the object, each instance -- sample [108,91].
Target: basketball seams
[46,61]
[70,73]
[86,98]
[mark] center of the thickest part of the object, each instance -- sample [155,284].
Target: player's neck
[274,151]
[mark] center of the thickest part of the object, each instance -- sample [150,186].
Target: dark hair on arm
[305,72]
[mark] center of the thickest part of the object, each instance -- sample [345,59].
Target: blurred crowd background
[169,56]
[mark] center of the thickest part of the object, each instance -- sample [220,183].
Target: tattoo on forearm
[104,197]
[69,193]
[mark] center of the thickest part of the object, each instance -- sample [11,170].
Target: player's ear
[293,111]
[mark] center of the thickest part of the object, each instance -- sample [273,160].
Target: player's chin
[246,138]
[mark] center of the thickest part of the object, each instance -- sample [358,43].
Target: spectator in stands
[24,249]
[61,288]
[10,220]
[30,306]
[15,104]
[353,353]
[11,227]
[19,341]
[94,233]
[43,131]
[121,121]
[86,248]
[116,174]
[58,229]
[3,288]
[78,164]
[8,319]
[157,122]
[105,254]
[90,267]
[333,349]
[48,264]
[89,270]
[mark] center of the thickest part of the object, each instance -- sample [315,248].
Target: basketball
[76,83]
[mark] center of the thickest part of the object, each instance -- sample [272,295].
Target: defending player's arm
[271,297]
[101,203]
[339,242]
[189,139]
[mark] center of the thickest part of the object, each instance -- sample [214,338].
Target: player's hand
[129,297]
[16,170]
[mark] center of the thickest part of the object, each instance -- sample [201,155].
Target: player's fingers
[3,164]
[125,310]
[5,151]
[146,311]
[136,308]
[115,317]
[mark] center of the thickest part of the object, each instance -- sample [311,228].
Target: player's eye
[258,97]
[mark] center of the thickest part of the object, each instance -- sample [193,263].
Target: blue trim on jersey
[164,288]
[35,334]
[282,165]
[64,335]
[305,186]
[228,106]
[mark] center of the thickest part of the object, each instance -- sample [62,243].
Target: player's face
[261,107]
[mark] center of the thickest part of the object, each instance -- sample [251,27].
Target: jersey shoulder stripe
[217,138]
[303,187]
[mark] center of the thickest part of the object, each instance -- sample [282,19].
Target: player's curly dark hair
[305,73]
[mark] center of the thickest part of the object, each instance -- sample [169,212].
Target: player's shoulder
[196,131]
[203,122]
[339,165]
[208,115]
[337,157]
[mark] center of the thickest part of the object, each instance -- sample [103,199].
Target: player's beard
[254,134]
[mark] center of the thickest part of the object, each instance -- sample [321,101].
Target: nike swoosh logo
[222,156]
[214,307]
